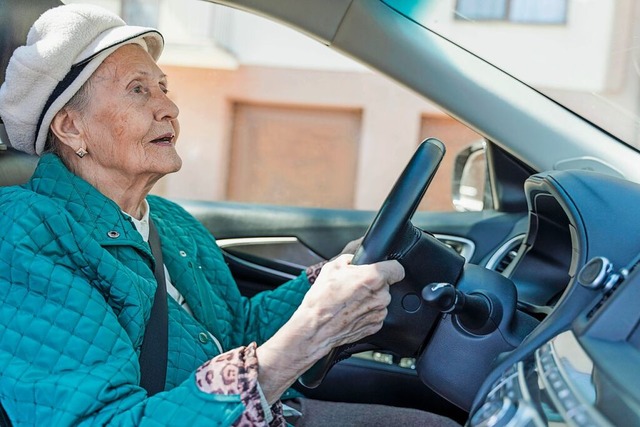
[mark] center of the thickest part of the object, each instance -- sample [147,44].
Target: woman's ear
[66,126]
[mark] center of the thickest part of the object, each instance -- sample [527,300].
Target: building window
[144,13]
[520,11]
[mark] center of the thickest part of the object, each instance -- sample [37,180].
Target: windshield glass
[581,53]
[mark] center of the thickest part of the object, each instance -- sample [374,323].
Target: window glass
[141,12]
[269,115]
[538,11]
[583,55]
[524,11]
[483,9]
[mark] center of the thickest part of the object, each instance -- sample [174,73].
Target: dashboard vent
[461,245]
[506,261]
[505,255]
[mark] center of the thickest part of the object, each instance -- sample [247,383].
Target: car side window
[269,115]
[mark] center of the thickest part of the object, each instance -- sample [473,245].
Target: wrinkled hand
[349,302]
[345,304]
[351,247]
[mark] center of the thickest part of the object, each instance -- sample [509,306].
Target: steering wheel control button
[411,303]
[594,274]
[442,296]
[472,311]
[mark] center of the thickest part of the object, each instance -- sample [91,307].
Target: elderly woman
[80,281]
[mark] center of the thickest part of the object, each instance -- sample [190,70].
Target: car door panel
[267,245]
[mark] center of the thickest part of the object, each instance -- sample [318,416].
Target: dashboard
[573,217]
[585,376]
[578,266]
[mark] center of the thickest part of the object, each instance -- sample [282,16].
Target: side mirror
[471,189]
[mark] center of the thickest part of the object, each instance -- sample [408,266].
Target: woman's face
[130,126]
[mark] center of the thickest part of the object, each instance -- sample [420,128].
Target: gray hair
[78,102]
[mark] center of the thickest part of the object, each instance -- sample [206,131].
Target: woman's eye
[139,89]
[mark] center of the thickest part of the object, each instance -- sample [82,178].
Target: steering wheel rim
[380,238]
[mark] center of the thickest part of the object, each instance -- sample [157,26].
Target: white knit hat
[64,47]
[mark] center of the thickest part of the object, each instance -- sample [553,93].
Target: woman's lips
[167,138]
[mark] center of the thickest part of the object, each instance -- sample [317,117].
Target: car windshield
[582,54]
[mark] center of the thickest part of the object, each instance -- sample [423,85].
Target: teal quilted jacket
[76,288]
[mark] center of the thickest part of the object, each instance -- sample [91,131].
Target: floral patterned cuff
[314,271]
[236,372]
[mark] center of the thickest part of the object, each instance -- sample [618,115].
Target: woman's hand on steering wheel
[346,303]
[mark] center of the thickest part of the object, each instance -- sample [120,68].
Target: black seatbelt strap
[154,350]
[4,418]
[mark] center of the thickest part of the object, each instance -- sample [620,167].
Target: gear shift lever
[474,311]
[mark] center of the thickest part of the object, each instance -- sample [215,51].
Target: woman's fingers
[345,304]
[348,302]
[361,327]
[352,246]
[380,274]
[391,270]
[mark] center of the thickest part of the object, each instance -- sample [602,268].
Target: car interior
[521,314]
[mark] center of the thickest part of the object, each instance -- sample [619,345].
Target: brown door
[294,156]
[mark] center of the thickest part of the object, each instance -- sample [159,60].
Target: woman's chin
[168,162]
[174,164]
[177,165]
[167,154]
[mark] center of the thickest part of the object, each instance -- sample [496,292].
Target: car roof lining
[318,19]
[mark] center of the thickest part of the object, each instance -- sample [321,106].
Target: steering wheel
[392,236]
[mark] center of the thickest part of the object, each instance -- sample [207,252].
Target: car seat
[15,167]
[16,17]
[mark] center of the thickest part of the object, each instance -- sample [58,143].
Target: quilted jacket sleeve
[65,356]
[266,312]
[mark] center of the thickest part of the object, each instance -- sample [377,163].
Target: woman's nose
[167,109]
